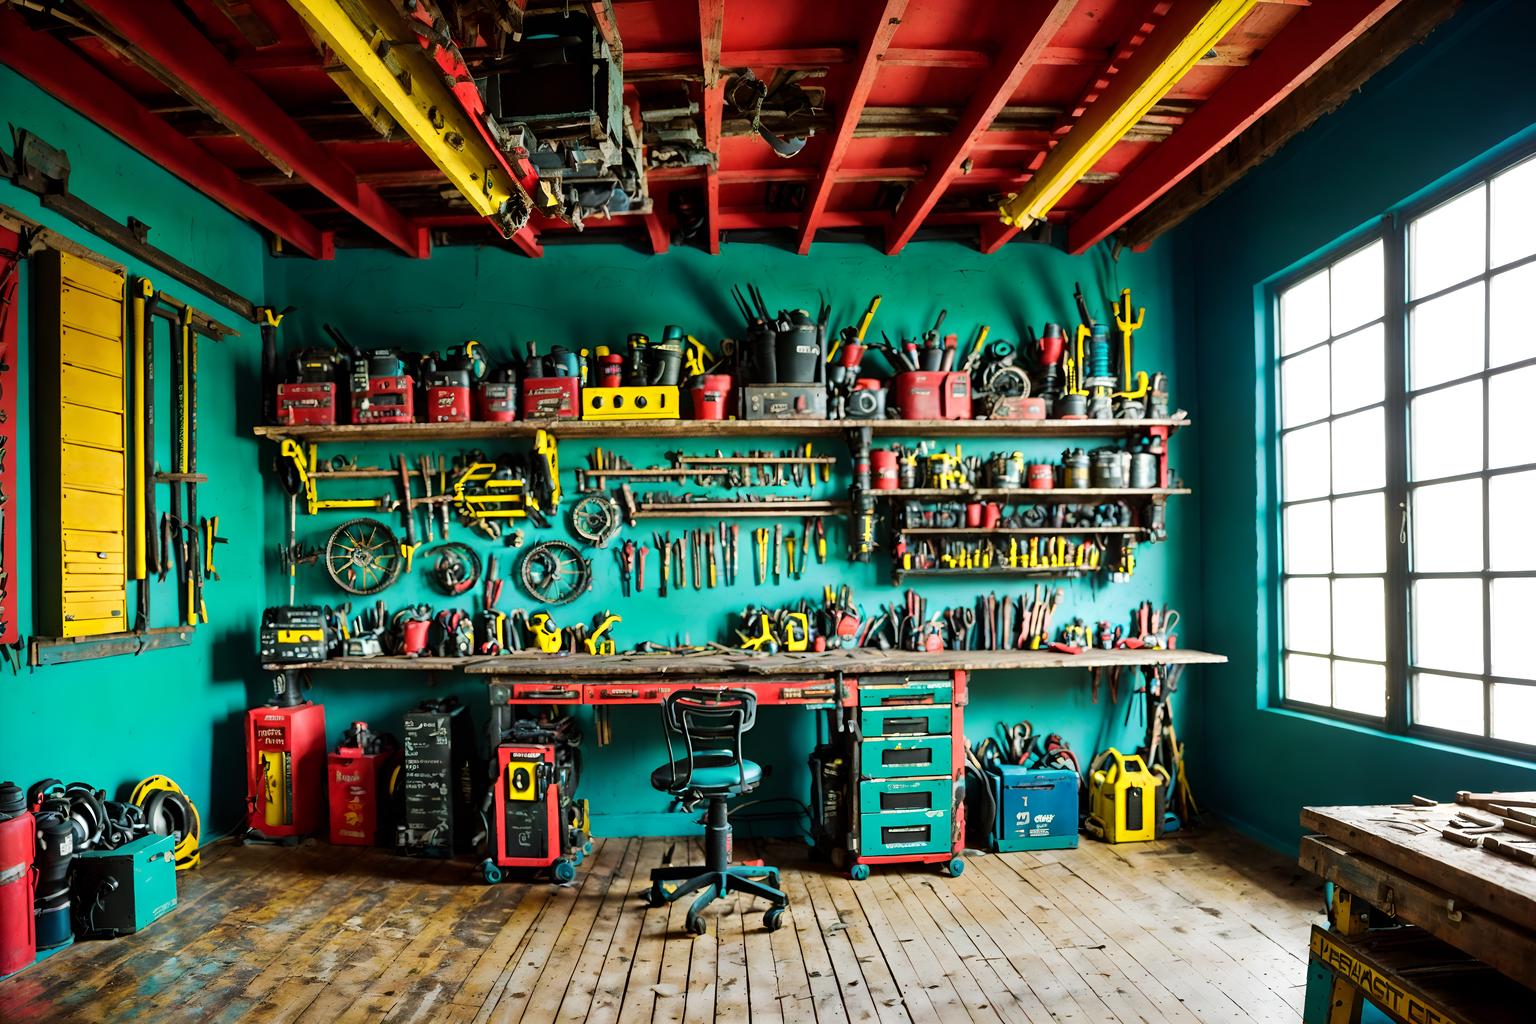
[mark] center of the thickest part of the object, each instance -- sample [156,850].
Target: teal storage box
[1036,810]
[918,720]
[900,757]
[905,795]
[898,833]
[118,892]
[883,691]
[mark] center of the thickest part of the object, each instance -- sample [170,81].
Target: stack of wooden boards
[1462,874]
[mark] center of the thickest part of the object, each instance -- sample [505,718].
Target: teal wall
[174,712]
[585,295]
[1465,91]
[179,711]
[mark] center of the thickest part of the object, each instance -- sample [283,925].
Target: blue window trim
[1391,227]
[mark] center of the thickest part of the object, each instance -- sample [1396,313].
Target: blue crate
[1036,810]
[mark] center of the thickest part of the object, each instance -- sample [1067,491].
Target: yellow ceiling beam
[1185,35]
[376,43]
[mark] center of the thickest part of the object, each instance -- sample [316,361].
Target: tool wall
[497,299]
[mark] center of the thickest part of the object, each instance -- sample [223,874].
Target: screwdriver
[778,548]
[640,568]
[821,540]
[762,554]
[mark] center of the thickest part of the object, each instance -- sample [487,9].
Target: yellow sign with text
[1379,985]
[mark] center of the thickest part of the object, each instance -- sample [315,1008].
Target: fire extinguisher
[18,935]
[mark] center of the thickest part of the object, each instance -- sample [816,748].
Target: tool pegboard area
[641,510]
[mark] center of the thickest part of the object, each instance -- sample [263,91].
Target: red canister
[18,936]
[991,513]
[610,371]
[882,464]
[1041,477]
[973,514]
[711,396]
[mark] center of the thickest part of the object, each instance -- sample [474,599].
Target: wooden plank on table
[1503,946]
[1408,839]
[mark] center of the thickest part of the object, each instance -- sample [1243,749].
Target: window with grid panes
[1407,464]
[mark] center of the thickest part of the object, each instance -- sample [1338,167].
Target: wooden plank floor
[1202,927]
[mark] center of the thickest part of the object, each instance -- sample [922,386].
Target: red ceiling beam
[158,30]
[1311,39]
[72,80]
[881,31]
[1035,30]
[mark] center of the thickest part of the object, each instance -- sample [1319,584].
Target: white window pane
[1356,288]
[1447,244]
[1359,534]
[1448,702]
[1448,625]
[1511,438]
[1304,313]
[1359,619]
[1445,337]
[1359,451]
[1360,688]
[1307,615]
[1511,330]
[1514,213]
[1447,431]
[1511,544]
[1306,679]
[1447,524]
[1304,458]
[1306,544]
[1514,712]
[1358,374]
[1513,612]
[1304,387]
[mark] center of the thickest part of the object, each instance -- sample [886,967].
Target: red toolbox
[922,395]
[551,398]
[357,783]
[387,400]
[306,404]
[447,396]
[496,401]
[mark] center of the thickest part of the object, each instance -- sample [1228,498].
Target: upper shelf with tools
[397,433]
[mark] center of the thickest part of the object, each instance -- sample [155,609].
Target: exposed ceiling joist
[1035,29]
[882,30]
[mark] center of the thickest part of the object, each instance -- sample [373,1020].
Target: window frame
[1392,229]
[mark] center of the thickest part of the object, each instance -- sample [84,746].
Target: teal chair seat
[713,771]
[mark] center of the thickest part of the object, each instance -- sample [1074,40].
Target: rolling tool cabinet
[908,804]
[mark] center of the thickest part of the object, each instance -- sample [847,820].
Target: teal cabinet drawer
[881,691]
[904,832]
[899,757]
[881,795]
[919,720]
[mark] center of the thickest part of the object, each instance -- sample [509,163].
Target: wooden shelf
[1028,496]
[1010,531]
[719,663]
[400,433]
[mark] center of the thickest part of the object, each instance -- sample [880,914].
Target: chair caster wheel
[773,919]
[955,867]
[859,872]
[490,872]
[563,871]
[697,925]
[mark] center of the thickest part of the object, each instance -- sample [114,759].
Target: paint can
[1070,407]
[711,396]
[1105,469]
[882,463]
[1042,476]
[1074,468]
[1143,471]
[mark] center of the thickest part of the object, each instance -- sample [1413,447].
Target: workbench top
[719,663]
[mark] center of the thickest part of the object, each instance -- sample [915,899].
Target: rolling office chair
[709,724]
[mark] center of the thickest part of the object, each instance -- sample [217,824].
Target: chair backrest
[708,721]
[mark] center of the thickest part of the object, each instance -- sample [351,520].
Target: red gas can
[447,396]
[285,769]
[551,398]
[306,404]
[356,783]
[18,937]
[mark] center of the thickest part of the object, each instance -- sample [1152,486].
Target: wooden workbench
[720,663]
[1395,858]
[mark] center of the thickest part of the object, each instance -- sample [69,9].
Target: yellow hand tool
[1128,327]
[697,357]
[599,642]
[974,358]
[789,548]
[764,640]
[761,536]
[797,631]
[546,635]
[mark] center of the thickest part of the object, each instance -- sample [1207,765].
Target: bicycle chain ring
[554,572]
[362,556]
[596,519]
